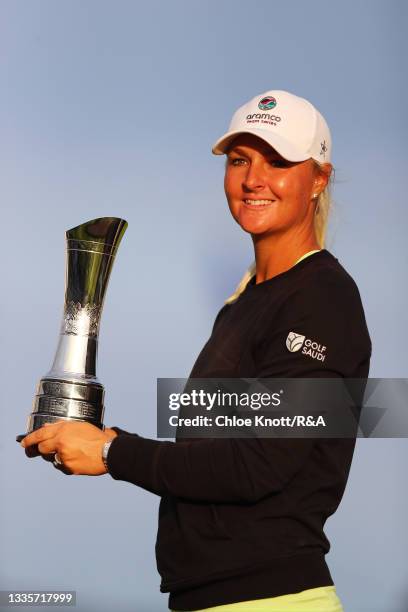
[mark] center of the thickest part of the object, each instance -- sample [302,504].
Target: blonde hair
[324,205]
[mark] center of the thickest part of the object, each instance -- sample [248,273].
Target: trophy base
[65,400]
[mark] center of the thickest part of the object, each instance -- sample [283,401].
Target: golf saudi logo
[267,103]
[295,342]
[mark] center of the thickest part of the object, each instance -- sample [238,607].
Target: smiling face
[266,193]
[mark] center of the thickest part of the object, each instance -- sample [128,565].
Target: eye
[236,161]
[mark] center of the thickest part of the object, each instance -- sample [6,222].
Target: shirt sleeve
[246,470]
[320,330]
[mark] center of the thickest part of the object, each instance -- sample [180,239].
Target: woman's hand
[79,446]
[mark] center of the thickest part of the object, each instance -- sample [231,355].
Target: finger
[48,446]
[32,451]
[43,433]
[50,458]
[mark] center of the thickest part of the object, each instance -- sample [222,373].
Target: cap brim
[281,145]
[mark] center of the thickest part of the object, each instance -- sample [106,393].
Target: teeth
[258,202]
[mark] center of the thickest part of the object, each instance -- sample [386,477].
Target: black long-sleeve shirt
[243,519]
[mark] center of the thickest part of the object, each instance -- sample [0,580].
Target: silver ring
[57,460]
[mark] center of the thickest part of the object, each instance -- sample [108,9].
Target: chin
[260,232]
[252,228]
[256,226]
[258,222]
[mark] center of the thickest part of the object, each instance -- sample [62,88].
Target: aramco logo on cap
[267,103]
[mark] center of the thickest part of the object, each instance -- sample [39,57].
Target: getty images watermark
[284,407]
[220,399]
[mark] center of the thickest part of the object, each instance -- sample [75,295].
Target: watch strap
[105,450]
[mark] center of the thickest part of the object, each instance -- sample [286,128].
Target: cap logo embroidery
[267,103]
[323,148]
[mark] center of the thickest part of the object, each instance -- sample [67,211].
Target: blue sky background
[110,109]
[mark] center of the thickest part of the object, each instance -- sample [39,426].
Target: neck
[275,253]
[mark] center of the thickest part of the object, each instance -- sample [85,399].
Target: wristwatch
[105,450]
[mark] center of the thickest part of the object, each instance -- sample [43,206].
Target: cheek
[232,188]
[293,189]
[230,184]
[285,186]
[233,205]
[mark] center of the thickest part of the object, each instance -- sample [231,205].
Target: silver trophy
[71,390]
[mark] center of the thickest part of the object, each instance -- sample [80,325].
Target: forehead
[250,141]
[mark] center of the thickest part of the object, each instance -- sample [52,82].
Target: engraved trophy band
[71,389]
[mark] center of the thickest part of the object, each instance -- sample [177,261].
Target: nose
[254,179]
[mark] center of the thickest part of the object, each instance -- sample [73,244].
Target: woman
[241,520]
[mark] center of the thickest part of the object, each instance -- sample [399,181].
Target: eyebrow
[237,150]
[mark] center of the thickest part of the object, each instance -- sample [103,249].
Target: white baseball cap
[290,124]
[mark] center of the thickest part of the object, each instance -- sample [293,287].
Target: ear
[322,177]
